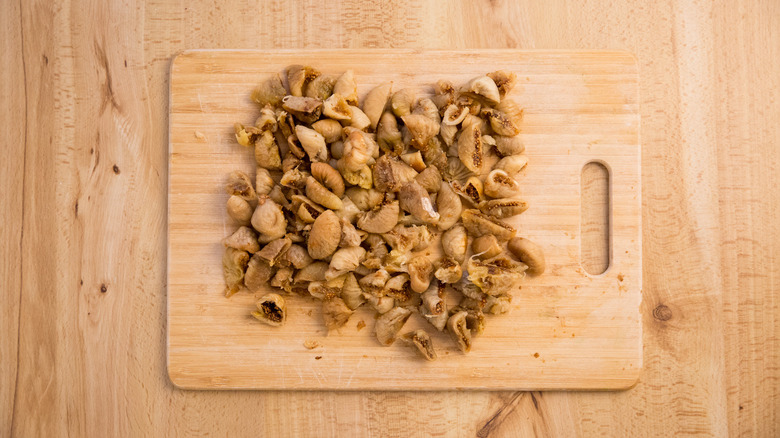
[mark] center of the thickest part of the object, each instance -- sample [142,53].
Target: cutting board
[567,329]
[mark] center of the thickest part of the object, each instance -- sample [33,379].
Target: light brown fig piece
[415,200]
[324,236]
[470,148]
[459,331]
[421,341]
[234,262]
[390,323]
[347,87]
[529,253]
[454,243]
[375,101]
[479,224]
[269,92]
[271,310]
[335,313]
[268,219]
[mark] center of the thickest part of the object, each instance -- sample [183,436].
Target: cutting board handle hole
[595,248]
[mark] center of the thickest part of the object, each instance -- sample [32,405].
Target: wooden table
[83,213]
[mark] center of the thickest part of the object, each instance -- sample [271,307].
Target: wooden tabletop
[83,214]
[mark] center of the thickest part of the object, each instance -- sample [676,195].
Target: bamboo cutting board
[567,330]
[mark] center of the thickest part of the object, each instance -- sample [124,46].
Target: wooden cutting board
[567,329]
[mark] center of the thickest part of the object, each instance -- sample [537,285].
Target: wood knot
[662,313]
[103,288]
[116,169]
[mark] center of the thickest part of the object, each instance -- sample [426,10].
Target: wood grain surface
[567,329]
[83,206]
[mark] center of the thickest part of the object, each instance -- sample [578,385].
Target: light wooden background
[82,213]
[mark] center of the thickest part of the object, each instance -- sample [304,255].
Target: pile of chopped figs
[380,202]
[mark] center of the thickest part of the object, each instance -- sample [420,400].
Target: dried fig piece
[298,76]
[395,261]
[398,287]
[239,209]
[444,94]
[498,304]
[271,310]
[485,247]
[244,239]
[470,150]
[240,185]
[264,183]
[258,274]
[326,175]
[485,88]
[349,235]
[504,81]
[347,87]
[335,313]
[362,177]
[374,283]
[500,122]
[421,128]
[454,243]
[390,174]
[414,199]
[358,118]
[317,193]
[337,108]
[283,279]
[267,152]
[499,184]
[454,115]
[269,92]
[507,146]
[234,263]
[268,219]
[375,101]
[305,109]
[408,238]
[345,260]
[434,307]
[381,219]
[430,179]
[420,272]
[503,208]
[529,253]
[365,199]
[297,256]
[389,324]
[449,271]
[449,207]
[275,250]
[459,331]
[349,212]
[313,143]
[479,224]
[475,319]
[357,151]
[402,101]
[382,305]
[321,87]
[351,292]
[328,129]
[324,236]
[388,136]
[512,164]
[414,160]
[314,271]
[495,276]
[422,343]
